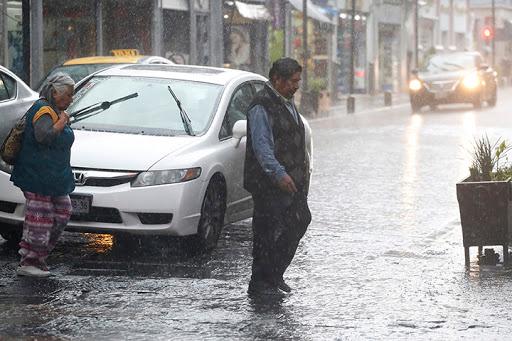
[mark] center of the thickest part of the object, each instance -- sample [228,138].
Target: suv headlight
[153,178]
[415,85]
[5,167]
[471,81]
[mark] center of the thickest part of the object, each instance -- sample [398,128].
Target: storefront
[246,36]
[125,28]
[389,54]
[344,50]
[319,42]
[69,31]
[389,57]
[12,57]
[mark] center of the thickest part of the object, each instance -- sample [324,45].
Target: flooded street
[382,259]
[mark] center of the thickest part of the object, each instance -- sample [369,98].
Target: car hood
[442,76]
[116,151]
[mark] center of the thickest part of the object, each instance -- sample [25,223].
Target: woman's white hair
[59,82]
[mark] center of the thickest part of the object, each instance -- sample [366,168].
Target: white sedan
[143,166]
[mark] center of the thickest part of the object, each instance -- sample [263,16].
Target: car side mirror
[239,130]
[483,67]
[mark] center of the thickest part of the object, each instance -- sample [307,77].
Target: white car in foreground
[140,168]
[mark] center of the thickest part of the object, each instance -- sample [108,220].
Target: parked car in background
[460,77]
[142,166]
[15,99]
[78,68]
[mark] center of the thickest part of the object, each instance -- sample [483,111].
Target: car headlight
[415,85]
[5,167]
[471,81]
[162,177]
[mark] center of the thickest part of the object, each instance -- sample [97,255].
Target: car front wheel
[212,214]
[492,101]
[477,101]
[415,106]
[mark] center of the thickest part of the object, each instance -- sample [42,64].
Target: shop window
[237,109]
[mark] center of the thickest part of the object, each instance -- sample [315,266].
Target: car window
[258,86]
[7,87]
[153,111]
[237,109]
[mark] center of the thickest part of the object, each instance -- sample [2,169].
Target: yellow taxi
[78,68]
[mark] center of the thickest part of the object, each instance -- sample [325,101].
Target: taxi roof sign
[125,52]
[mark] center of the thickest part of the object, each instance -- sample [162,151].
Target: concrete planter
[485,208]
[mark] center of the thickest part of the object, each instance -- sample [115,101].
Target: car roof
[113,60]
[204,74]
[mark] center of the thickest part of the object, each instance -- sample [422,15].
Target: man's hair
[284,68]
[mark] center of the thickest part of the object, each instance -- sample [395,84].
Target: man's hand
[286,184]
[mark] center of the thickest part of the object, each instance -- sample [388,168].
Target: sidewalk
[363,102]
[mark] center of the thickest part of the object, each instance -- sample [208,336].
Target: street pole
[192,59]
[305,46]
[416,35]
[351,103]
[493,45]
[36,42]
[5,37]
[305,100]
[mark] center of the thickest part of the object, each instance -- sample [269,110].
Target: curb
[340,108]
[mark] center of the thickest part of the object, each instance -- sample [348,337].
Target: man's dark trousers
[279,222]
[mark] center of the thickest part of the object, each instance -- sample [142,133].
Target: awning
[314,11]
[252,11]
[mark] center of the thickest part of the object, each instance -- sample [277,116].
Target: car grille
[100,215]
[439,86]
[98,178]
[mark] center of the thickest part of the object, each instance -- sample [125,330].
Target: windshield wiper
[187,124]
[95,109]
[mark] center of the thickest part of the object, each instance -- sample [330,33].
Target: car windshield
[450,62]
[77,72]
[153,111]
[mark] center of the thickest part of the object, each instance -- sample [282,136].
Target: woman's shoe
[31,271]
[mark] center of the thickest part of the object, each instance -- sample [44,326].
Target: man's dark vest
[289,146]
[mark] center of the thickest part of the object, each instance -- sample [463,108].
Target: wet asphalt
[382,259]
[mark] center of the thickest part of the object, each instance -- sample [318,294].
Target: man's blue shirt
[263,141]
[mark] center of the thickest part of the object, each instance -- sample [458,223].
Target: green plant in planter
[316,85]
[487,156]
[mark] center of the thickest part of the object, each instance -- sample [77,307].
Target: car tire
[213,210]
[494,99]
[11,234]
[477,103]
[415,106]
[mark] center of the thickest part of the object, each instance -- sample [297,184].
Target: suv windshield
[153,111]
[450,62]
